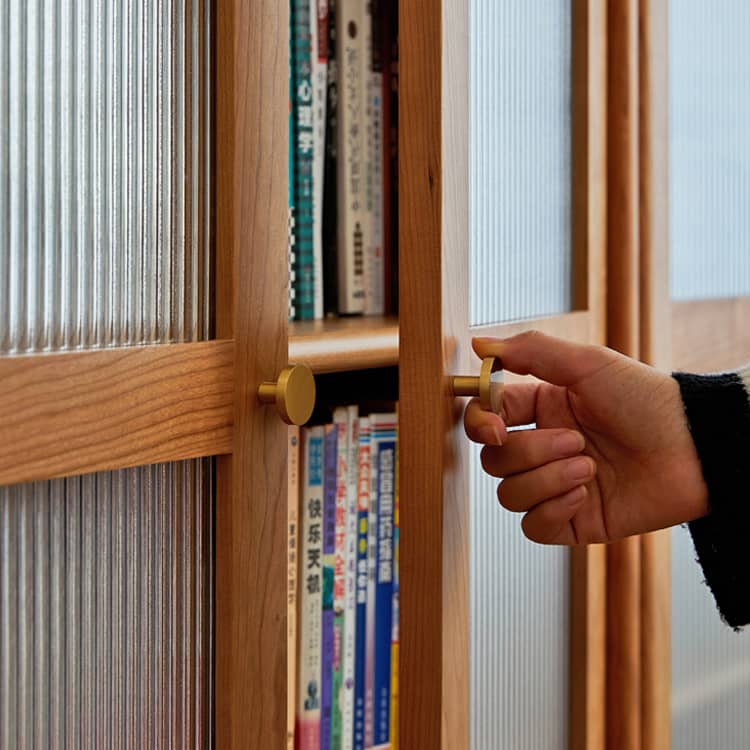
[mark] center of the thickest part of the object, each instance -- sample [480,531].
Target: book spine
[351,153]
[375,295]
[330,194]
[350,602]
[290,183]
[304,274]
[389,21]
[319,59]
[329,548]
[386,458]
[341,420]
[394,629]
[293,488]
[308,704]
[372,547]
[363,504]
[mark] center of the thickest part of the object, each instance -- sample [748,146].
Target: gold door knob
[293,393]
[488,387]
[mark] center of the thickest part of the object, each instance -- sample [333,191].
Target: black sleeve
[718,413]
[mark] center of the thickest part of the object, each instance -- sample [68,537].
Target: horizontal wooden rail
[78,412]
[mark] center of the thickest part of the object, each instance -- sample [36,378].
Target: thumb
[545,357]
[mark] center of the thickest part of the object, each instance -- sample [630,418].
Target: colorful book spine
[350,600]
[304,271]
[395,636]
[375,273]
[290,184]
[372,555]
[351,157]
[363,504]
[309,680]
[329,550]
[384,430]
[319,60]
[330,192]
[291,578]
[341,421]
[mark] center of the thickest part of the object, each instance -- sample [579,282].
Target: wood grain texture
[79,412]
[710,335]
[655,349]
[252,92]
[344,344]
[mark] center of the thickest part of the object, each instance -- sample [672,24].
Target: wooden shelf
[342,344]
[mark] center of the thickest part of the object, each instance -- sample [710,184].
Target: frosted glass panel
[104,115]
[710,149]
[106,609]
[520,160]
[520,630]
[710,663]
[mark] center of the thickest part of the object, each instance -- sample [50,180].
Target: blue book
[329,549]
[360,654]
[383,433]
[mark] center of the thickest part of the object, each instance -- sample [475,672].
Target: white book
[352,225]
[319,80]
[311,586]
[374,258]
[350,604]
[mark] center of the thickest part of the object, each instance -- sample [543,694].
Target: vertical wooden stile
[251,118]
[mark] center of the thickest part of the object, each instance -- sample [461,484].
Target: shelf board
[341,344]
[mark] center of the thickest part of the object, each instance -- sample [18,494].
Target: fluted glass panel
[104,175]
[710,150]
[106,609]
[710,662]
[519,632]
[520,160]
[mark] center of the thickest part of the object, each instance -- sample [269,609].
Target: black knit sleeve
[718,413]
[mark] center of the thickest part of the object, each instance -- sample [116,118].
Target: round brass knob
[488,387]
[293,393]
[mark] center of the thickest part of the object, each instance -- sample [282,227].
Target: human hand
[611,454]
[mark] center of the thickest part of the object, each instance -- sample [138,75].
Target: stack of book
[343,121]
[343,583]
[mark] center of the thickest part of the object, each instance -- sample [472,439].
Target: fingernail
[568,443]
[579,469]
[575,497]
[490,435]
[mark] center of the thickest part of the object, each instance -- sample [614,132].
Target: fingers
[519,404]
[521,492]
[550,521]
[547,358]
[529,449]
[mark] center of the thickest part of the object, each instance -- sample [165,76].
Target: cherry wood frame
[434,331]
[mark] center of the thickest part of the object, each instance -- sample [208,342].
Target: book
[302,104]
[351,239]
[341,421]
[350,594]
[307,728]
[363,503]
[318,77]
[290,190]
[330,461]
[394,628]
[383,437]
[389,40]
[293,488]
[373,80]
[330,193]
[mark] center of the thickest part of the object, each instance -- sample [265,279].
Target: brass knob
[293,393]
[488,387]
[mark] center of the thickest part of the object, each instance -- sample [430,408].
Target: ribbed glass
[520,632]
[106,609]
[710,662]
[710,149]
[520,160]
[104,173]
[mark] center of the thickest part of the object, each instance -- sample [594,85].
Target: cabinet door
[710,290]
[143,298]
[502,184]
